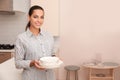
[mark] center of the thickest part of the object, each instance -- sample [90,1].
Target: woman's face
[36,19]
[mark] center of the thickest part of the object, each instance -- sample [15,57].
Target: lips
[37,24]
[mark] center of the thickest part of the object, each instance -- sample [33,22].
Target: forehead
[38,12]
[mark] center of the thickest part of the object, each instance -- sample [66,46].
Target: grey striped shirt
[29,47]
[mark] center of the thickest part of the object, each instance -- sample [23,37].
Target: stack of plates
[50,62]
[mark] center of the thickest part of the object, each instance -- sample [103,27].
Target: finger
[37,62]
[39,67]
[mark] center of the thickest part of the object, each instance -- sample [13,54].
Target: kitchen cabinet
[51,20]
[21,5]
[12,6]
[5,55]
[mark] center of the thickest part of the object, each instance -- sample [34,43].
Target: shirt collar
[30,34]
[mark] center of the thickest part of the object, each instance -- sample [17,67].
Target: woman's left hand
[37,65]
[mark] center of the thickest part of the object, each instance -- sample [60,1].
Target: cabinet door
[17,5]
[4,56]
[51,22]
[6,5]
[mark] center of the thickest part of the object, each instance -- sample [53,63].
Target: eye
[42,17]
[35,16]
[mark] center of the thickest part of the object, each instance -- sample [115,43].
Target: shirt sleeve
[20,61]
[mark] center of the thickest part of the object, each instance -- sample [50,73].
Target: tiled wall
[11,26]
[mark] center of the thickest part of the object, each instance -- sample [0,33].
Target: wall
[12,25]
[89,29]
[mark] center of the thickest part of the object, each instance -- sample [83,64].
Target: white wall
[12,25]
[89,29]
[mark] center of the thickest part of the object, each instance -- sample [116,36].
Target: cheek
[33,21]
[42,20]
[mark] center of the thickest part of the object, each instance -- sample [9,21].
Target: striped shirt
[30,47]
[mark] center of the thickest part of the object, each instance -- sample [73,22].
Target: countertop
[8,69]
[7,50]
[104,65]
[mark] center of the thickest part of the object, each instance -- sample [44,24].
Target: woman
[33,44]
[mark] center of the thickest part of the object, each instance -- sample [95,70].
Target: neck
[35,31]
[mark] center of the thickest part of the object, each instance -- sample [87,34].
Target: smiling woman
[33,44]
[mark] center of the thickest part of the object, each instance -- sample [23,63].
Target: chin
[37,27]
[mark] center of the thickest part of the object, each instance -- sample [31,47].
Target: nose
[40,20]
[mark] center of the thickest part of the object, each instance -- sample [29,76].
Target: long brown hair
[31,12]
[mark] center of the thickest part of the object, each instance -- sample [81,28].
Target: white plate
[52,66]
[49,59]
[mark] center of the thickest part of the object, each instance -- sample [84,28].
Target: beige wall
[89,29]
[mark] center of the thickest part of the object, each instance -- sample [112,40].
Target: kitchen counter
[7,50]
[8,69]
